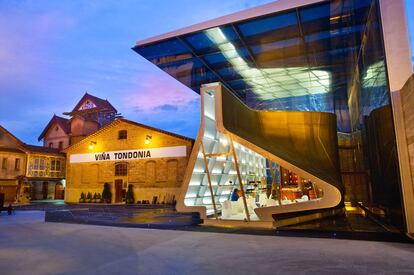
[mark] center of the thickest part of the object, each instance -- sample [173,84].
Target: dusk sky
[52,52]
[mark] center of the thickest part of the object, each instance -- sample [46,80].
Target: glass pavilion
[323,57]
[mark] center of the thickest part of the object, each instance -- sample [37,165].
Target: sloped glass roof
[307,59]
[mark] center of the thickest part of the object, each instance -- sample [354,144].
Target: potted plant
[89,197]
[82,198]
[98,198]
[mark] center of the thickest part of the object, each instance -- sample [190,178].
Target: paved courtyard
[28,245]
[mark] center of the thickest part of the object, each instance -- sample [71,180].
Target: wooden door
[45,190]
[118,191]
[59,191]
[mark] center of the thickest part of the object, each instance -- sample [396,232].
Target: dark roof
[61,121]
[99,102]
[11,149]
[41,149]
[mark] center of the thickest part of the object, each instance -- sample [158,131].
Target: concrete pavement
[28,245]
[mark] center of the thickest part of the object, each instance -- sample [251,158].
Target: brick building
[123,152]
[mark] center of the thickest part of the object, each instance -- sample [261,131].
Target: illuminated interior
[230,181]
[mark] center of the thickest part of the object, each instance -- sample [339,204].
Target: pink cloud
[161,93]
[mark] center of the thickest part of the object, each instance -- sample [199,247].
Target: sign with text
[126,155]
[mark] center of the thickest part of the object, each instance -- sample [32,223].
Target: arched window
[121,169]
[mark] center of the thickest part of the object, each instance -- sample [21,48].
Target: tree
[130,195]
[106,193]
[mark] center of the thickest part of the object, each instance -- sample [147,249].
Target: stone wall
[157,177]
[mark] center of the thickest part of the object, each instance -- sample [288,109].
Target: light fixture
[223,141]
[92,145]
[147,139]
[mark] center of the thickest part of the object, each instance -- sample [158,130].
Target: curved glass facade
[325,57]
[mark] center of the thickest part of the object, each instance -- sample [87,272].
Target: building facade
[88,115]
[126,153]
[12,165]
[45,172]
[29,172]
[291,68]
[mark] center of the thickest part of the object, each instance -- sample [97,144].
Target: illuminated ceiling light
[148,139]
[92,145]
[271,83]
[224,141]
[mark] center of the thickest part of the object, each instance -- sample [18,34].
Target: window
[122,134]
[17,164]
[42,164]
[60,145]
[50,144]
[36,164]
[55,165]
[121,169]
[4,163]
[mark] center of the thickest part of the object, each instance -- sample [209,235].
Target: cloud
[159,93]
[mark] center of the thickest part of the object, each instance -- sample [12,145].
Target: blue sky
[52,52]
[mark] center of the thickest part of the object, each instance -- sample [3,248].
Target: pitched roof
[41,149]
[11,135]
[11,149]
[118,120]
[61,121]
[99,102]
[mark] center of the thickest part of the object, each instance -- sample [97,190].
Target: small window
[121,169]
[123,134]
[42,164]
[57,128]
[4,163]
[57,165]
[60,145]
[17,164]
[36,164]
[50,144]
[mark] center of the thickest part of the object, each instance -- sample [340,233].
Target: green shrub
[130,195]
[106,193]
